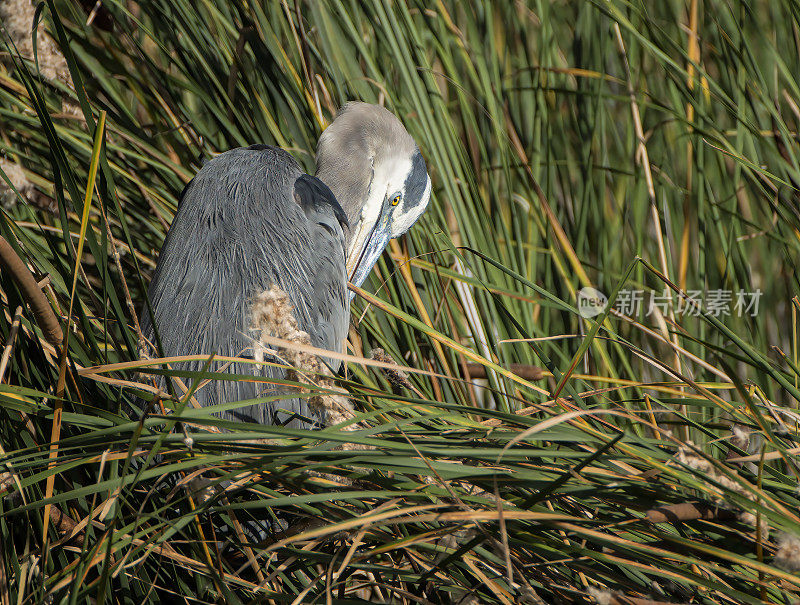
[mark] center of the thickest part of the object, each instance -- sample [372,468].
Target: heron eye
[396,200]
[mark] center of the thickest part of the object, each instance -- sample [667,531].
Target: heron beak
[366,248]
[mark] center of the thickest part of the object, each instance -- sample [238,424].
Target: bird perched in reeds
[251,221]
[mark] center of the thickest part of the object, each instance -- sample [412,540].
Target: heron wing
[250,219]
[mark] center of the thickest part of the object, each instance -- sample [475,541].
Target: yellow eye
[396,200]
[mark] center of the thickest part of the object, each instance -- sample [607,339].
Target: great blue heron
[252,219]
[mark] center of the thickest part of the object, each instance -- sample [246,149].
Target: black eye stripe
[417,180]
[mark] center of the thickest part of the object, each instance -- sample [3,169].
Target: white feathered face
[399,193]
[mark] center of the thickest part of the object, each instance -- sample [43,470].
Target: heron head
[399,194]
[378,176]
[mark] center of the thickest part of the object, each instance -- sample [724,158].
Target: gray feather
[248,220]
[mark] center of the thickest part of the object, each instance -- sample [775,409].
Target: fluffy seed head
[788,554]
[272,315]
[687,456]
[17,177]
[603,597]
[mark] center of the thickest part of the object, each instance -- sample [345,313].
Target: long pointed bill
[366,249]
